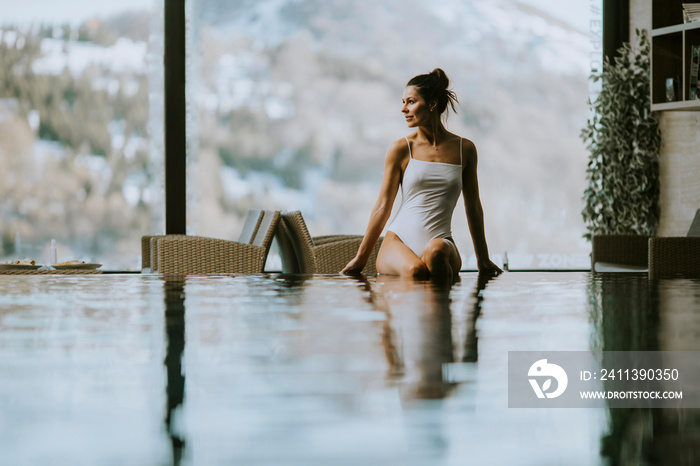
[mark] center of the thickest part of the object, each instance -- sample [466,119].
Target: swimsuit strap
[409,147]
[460,152]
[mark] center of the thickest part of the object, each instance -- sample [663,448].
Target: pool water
[325,370]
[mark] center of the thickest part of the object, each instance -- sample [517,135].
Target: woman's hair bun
[441,79]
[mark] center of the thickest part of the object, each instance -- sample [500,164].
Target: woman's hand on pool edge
[489,268]
[354,267]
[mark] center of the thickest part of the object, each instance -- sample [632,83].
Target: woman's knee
[415,270]
[437,250]
[441,254]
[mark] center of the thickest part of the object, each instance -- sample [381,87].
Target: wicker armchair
[676,256]
[181,254]
[300,253]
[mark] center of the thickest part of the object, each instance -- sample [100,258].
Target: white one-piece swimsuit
[429,193]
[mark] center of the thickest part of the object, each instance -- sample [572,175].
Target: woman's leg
[442,259]
[395,258]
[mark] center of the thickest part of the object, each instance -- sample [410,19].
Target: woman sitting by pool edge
[431,166]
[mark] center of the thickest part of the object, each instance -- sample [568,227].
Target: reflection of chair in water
[676,256]
[181,254]
[322,254]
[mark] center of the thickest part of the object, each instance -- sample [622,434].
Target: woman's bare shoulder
[401,144]
[398,150]
[468,148]
[465,141]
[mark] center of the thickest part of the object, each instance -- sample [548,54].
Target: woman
[432,166]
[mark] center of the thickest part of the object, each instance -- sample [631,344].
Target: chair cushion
[301,240]
[250,226]
[695,226]
[285,247]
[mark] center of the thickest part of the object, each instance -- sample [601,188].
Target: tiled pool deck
[325,370]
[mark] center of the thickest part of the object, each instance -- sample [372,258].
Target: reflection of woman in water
[432,166]
[418,332]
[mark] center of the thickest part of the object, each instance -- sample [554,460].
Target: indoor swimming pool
[280,369]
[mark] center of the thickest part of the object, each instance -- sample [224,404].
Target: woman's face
[415,109]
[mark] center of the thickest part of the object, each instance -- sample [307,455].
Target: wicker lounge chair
[301,253]
[620,253]
[149,257]
[676,256]
[181,254]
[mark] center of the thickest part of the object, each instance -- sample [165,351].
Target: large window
[81,129]
[293,103]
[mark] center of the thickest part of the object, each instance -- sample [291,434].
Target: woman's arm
[393,168]
[475,213]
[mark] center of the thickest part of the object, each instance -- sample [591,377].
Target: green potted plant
[621,201]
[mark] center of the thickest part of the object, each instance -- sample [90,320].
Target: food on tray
[74,262]
[24,262]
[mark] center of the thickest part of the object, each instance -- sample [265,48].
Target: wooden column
[175,121]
